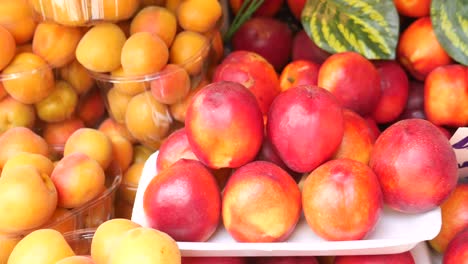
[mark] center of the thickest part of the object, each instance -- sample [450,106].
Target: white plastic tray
[394,233]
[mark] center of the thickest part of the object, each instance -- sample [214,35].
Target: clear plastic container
[80,240]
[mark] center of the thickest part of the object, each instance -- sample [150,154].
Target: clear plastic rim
[21,74]
[79,234]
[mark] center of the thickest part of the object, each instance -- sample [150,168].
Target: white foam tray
[394,233]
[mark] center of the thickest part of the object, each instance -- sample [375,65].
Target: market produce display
[264,115]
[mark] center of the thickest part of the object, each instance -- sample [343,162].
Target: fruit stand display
[260,131]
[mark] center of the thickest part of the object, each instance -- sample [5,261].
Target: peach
[36,75]
[75,74]
[16,17]
[294,132]
[130,181]
[175,147]
[341,74]
[179,109]
[357,140]
[91,142]
[219,135]
[394,86]
[32,249]
[42,163]
[189,49]
[100,48]
[117,104]
[76,260]
[299,72]
[144,53]
[419,51]
[113,10]
[454,218]
[337,190]
[172,86]
[413,152]
[107,235]
[287,260]
[157,20]
[63,220]
[141,153]
[56,43]
[110,127]
[8,47]
[446,96]
[156,246]
[194,214]
[147,119]
[122,151]
[199,15]
[401,258]
[29,197]
[14,114]
[91,108]
[59,105]
[457,250]
[214,260]
[78,179]
[57,134]
[21,139]
[252,71]
[261,203]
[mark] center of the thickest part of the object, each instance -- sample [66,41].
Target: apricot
[122,151]
[107,236]
[56,43]
[144,53]
[156,246]
[146,118]
[29,197]
[7,244]
[130,181]
[75,74]
[78,179]
[110,127]
[125,84]
[69,13]
[16,17]
[56,134]
[21,139]
[91,108]
[76,260]
[24,48]
[189,50]
[32,249]
[42,163]
[141,153]
[59,105]
[8,47]
[145,3]
[156,20]
[172,5]
[117,103]
[36,81]
[3,93]
[112,10]
[91,142]
[14,114]
[100,48]
[172,84]
[62,220]
[179,109]
[199,15]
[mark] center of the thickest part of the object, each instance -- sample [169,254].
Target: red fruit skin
[296,7]
[373,127]
[174,148]
[299,117]
[337,190]
[454,218]
[269,8]
[413,8]
[252,71]
[343,75]
[299,72]
[224,125]
[305,49]
[214,260]
[268,37]
[457,250]
[286,260]
[409,153]
[184,201]
[400,258]
[415,104]
[394,86]
[446,96]
[419,51]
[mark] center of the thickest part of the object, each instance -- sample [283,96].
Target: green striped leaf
[369,27]
[450,23]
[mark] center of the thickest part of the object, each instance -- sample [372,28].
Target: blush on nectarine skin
[457,250]
[400,258]
[337,190]
[224,125]
[409,153]
[305,125]
[261,203]
[175,147]
[184,201]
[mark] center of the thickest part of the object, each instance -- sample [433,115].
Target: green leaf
[369,27]
[450,22]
